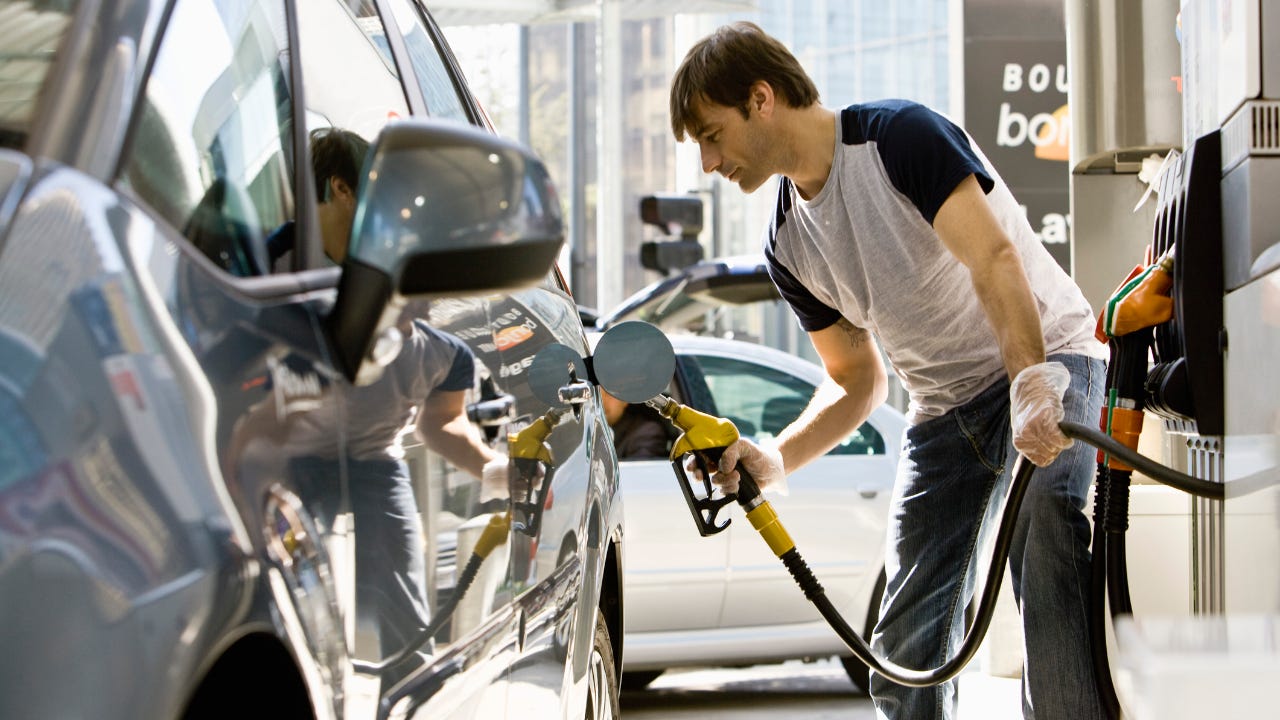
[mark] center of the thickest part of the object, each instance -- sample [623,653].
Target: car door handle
[493,412]
[575,393]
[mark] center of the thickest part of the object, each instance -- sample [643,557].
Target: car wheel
[858,672]
[602,677]
[639,679]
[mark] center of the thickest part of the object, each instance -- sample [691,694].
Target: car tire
[858,672]
[639,679]
[602,677]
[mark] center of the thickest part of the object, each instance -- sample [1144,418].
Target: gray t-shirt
[429,361]
[865,249]
[374,418]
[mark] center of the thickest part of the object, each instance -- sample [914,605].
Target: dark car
[695,298]
[185,364]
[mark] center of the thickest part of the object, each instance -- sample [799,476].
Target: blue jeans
[950,488]
[390,559]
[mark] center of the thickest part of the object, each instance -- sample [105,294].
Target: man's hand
[1036,409]
[495,478]
[762,461]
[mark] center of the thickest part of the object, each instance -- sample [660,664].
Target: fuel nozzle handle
[761,513]
[704,438]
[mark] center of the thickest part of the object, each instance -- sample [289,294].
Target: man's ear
[336,187]
[761,97]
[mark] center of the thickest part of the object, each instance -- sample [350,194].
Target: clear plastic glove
[1036,409]
[762,460]
[495,478]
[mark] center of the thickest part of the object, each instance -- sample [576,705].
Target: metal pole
[522,52]
[609,124]
[577,196]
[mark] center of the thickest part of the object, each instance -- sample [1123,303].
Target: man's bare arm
[969,229]
[856,384]
[444,427]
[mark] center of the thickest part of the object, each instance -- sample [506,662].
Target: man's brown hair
[336,153]
[721,68]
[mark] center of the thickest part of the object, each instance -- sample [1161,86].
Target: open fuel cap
[554,367]
[634,361]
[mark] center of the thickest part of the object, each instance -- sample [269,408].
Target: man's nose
[710,160]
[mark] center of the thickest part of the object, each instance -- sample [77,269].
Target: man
[426,384]
[891,223]
[337,156]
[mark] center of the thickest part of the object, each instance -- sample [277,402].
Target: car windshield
[30,32]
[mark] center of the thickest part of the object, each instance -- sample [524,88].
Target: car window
[352,90]
[349,78]
[32,33]
[761,401]
[210,147]
[429,65]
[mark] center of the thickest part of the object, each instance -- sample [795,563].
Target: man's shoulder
[883,105]
[879,120]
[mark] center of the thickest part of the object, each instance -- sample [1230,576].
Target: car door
[206,177]
[355,57]
[835,508]
[517,616]
[118,538]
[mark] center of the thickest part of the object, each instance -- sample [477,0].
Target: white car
[725,599]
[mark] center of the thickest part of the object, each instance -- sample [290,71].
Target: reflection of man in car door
[426,385]
[336,158]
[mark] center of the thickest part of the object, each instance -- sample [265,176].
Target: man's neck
[813,130]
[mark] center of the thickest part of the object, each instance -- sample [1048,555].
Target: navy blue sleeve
[281,241]
[812,313]
[925,154]
[461,375]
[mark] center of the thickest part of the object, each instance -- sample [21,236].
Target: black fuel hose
[749,498]
[1098,567]
[813,590]
[423,636]
[1167,475]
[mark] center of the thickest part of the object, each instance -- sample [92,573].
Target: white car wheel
[602,677]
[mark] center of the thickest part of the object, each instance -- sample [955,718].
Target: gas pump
[1208,380]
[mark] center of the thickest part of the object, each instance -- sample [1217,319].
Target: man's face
[337,213]
[736,147]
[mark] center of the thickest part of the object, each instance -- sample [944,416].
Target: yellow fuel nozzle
[494,534]
[530,443]
[706,437]
[701,431]
[531,456]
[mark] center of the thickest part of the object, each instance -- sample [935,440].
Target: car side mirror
[444,209]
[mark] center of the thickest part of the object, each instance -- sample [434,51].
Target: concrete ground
[805,691]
